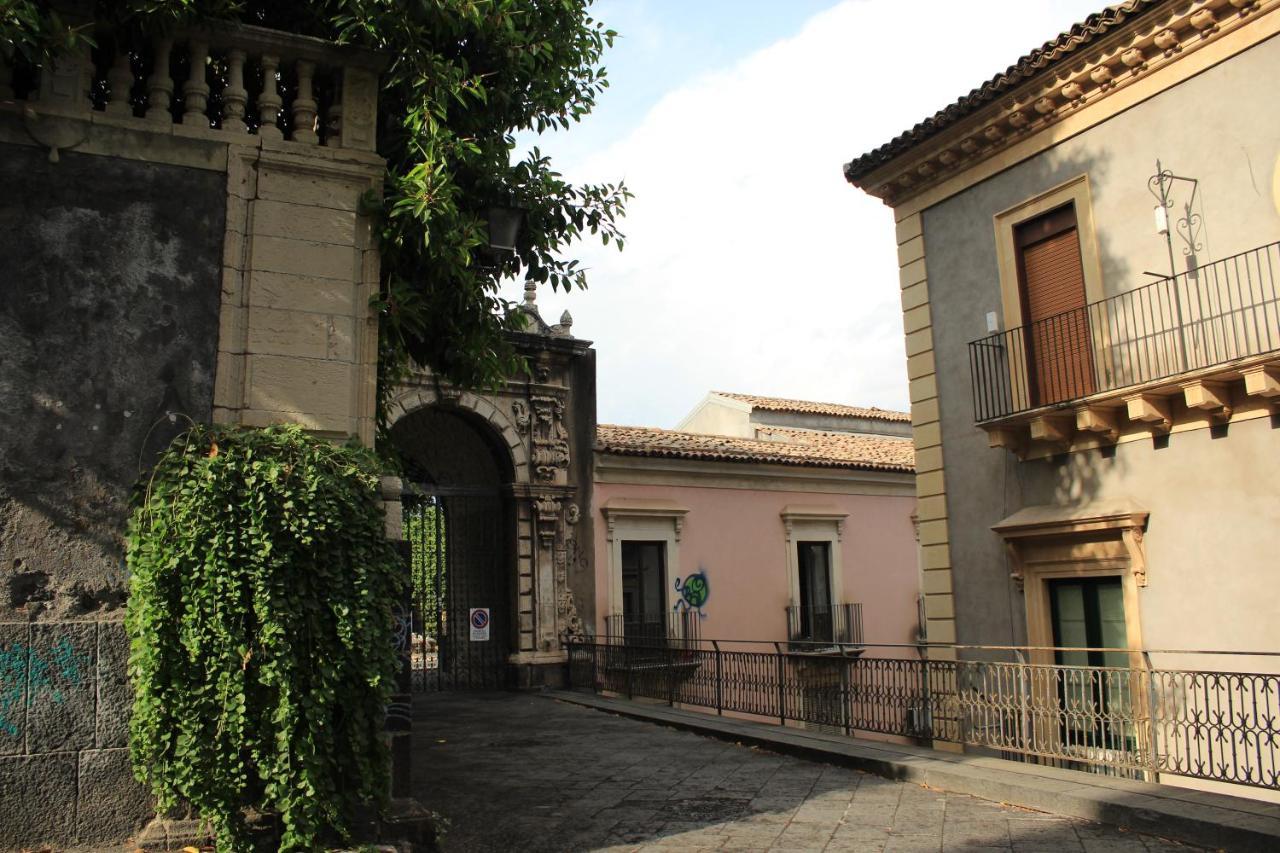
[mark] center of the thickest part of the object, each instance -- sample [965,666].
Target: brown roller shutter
[1051,277]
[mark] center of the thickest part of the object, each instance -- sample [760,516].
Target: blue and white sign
[479,624]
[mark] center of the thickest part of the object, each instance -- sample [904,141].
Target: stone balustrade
[240,83]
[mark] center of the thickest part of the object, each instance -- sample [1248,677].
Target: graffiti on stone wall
[41,676]
[694,591]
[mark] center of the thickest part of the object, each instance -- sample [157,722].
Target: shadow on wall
[109,297]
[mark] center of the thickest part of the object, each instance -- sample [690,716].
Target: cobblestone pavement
[518,772]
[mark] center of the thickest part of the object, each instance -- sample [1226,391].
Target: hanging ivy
[262,650]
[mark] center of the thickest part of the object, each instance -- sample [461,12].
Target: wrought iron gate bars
[1138,720]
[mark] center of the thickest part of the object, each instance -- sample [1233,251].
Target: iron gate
[458,542]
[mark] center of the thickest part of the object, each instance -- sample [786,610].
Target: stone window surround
[814,524]
[642,520]
[1103,539]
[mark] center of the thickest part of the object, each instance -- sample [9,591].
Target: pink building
[759,519]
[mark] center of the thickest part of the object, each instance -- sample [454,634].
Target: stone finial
[566,320]
[530,292]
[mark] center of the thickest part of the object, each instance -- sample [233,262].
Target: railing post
[627,665]
[846,701]
[1023,700]
[671,677]
[719,683]
[1152,697]
[782,692]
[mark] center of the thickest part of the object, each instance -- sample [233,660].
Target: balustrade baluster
[196,90]
[269,100]
[234,97]
[304,105]
[160,84]
[120,83]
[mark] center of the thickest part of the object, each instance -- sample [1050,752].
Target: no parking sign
[479,624]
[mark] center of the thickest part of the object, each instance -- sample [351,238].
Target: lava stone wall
[110,277]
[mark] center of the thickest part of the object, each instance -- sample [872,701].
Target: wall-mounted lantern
[504,228]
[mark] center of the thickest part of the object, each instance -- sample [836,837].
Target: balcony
[657,630]
[1125,358]
[832,624]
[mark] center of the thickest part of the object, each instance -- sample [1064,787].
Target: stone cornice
[1134,51]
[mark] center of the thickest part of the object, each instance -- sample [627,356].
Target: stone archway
[543,426]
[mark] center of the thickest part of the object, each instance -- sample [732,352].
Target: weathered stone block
[276,332]
[113,805]
[115,694]
[309,189]
[302,293]
[14,646]
[303,257]
[37,800]
[285,384]
[61,694]
[304,222]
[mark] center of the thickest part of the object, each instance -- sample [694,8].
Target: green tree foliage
[465,76]
[262,642]
[424,528]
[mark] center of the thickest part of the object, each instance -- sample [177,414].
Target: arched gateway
[495,486]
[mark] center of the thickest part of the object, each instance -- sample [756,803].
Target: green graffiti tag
[40,674]
[694,591]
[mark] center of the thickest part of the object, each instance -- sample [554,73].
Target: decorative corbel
[1098,420]
[1150,409]
[1137,557]
[678,521]
[1018,573]
[840,530]
[1211,397]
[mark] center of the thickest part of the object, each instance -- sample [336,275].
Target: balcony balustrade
[832,623]
[1125,356]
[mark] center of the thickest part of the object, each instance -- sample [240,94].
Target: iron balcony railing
[1164,712]
[1217,313]
[652,630]
[827,623]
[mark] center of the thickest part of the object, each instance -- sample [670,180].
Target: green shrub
[262,650]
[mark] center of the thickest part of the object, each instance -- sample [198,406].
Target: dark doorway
[459,525]
[1094,686]
[644,585]
[815,591]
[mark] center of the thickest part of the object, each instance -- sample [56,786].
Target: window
[1051,284]
[1089,613]
[815,591]
[1049,272]
[644,584]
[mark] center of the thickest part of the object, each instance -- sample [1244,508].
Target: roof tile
[779,404]
[781,447]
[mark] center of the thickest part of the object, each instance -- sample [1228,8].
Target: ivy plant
[260,621]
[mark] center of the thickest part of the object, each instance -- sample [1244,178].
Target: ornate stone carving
[1167,40]
[572,514]
[547,515]
[550,439]
[520,413]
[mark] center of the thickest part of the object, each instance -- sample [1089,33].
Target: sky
[751,265]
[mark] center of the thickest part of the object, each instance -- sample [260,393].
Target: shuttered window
[1051,278]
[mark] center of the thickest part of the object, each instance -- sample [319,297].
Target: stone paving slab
[1213,820]
[517,772]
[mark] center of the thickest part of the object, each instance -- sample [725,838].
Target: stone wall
[65,776]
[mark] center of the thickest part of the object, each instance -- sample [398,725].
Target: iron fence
[826,623]
[1139,720]
[1210,315]
[652,630]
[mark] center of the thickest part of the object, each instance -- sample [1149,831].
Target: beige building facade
[1089,272]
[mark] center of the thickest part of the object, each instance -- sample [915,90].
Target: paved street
[517,772]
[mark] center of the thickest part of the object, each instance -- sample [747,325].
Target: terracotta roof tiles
[778,404]
[782,447]
[1048,55]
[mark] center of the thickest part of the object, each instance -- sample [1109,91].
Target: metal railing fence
[652,630]
[828,623]
[1139,720]
[1217,313]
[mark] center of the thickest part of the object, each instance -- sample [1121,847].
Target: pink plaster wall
[736,537]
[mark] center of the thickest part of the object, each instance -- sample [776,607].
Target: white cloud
[751,265]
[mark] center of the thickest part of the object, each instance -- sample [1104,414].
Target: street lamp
[504,228]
